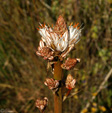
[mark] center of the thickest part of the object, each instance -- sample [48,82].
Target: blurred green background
[22,73]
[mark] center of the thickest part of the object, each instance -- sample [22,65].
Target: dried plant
[52,84]
[70,63]
[41,104]
[60,39]
[70,82]
[54,46]
[22,72]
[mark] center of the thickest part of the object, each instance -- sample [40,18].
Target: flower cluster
[54,46]
[59,40]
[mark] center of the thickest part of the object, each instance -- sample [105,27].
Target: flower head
[60,39]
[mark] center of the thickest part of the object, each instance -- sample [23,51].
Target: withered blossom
[60,39]
[70,63]
[41,104]
[70,82]
[44,51]
[52,84]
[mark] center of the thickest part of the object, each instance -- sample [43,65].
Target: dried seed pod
[70,63]
[70,82]
[41,104]
[52,84]
[45,52]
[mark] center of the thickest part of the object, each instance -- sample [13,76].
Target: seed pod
[45,52]
[70,82]
[52,84]
[70,63]
[41,104]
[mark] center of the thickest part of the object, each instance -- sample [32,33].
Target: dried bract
[41,104]
[70,82]
[52,84]
[70,63]
[60,27]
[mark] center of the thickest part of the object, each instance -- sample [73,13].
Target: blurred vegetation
[22,73]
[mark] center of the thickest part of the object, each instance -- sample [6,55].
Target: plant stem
[58,75]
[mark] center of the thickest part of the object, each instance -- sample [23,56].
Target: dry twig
[44,4]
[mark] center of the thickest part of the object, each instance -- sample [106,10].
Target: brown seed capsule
[41,104]
[45,52]
[52,84]
[70,63]
[70,82]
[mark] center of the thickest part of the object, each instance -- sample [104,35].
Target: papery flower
[60,39]
[52,84]
[70,63]
[70,82]
[41,104]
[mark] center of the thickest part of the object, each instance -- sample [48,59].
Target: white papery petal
[41,44]
[73,82]
[48,41]
[65,46]
[65,36]
[63,41]
[74,35]
[72,31]
[55,38]
[45,36]
[67,51]
[58,48]
[42,32]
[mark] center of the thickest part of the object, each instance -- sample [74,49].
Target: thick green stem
[58,75]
